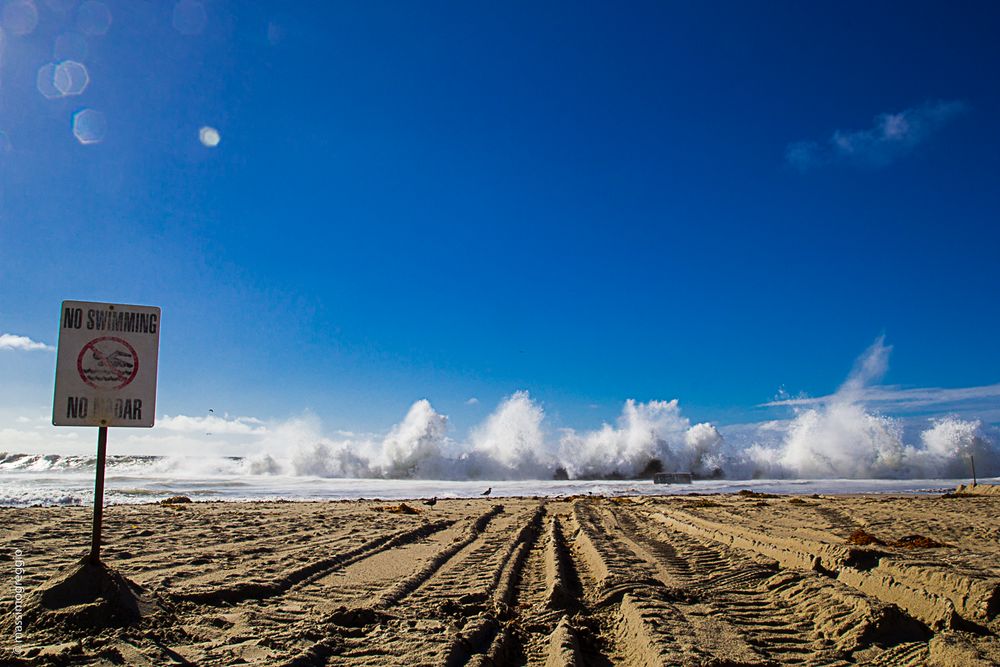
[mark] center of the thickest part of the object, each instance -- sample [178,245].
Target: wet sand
[705,580]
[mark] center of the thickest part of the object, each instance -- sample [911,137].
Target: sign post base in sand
[95,538]
[105,376]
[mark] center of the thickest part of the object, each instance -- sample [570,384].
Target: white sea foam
[21,489]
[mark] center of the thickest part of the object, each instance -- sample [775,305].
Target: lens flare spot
[20,17]
[70,46]
[190,17]
[45,81]
[71,78]
[209,136]
[93,18]
[89,126]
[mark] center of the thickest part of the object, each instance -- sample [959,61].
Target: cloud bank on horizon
[901,398]
[836,436]
[14,342]
[891,136]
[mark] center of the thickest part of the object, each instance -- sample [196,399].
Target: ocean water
[33,479]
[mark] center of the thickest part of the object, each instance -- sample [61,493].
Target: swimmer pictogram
[108,362]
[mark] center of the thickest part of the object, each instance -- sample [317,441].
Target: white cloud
[859,388]
[212,424]
[15,342]
[891,136]
[472,401]
[917,397]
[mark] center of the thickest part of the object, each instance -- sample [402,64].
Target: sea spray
[947,447]
[511,443]
[704,451]
[323,459]
[653,432]
[839,437]
[835,437]
[842,440]
[413,448]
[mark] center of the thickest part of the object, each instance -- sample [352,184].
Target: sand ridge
[747,579]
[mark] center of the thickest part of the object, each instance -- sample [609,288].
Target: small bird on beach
[486,492]
[431,502]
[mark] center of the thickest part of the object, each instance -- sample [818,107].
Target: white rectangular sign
[106,365]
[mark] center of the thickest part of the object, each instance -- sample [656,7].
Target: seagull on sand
[431,502]
[486,492]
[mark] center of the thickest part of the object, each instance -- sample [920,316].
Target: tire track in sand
[942,598]
[483,564]
[547,590]
[291,613]
[650,618]
[322,618]
[735,588]
[790,615]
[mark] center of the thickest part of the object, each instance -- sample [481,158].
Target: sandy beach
[740,579]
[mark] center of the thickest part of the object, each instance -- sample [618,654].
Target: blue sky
[450,201]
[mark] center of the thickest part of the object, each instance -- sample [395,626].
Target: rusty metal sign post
[105,377]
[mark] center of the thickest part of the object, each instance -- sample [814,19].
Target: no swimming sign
[106,365]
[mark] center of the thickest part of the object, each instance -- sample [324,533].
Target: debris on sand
[401,508]
[862,538]
[175,500]
[747,493]
[917,542]
[701,502]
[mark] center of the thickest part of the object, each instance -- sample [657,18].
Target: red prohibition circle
[106,369]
